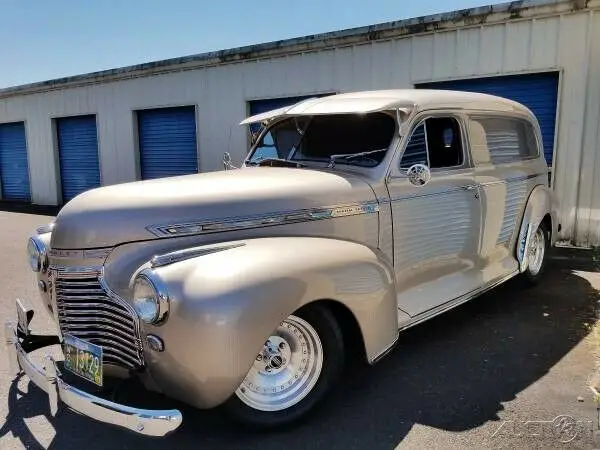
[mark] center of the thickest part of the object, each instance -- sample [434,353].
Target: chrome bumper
[141,421]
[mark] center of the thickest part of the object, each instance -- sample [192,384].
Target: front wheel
[296,367]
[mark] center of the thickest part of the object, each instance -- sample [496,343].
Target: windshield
[319,138]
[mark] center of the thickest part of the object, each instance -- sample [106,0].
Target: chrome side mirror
[418,174]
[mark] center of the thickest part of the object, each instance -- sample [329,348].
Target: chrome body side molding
[262,220]
[182,255]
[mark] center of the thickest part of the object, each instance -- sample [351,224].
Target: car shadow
[452,373]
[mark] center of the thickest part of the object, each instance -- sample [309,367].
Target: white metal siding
[568,41]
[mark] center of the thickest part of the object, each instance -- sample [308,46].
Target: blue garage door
[78,155]
[14,169]
[167,142]
[539,92]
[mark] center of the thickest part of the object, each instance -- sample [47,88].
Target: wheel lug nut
[282,345]
[259,358]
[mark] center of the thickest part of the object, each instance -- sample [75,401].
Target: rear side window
[507,140]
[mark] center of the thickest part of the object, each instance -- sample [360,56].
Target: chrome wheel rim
[537,249]
[286,369]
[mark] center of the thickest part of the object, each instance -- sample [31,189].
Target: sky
[46,39]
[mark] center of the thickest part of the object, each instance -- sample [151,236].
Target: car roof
[406,100]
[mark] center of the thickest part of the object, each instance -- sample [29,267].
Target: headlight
[150,298]
[36,252]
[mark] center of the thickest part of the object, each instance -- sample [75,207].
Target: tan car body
[253,245]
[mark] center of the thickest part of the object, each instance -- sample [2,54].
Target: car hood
[111,215]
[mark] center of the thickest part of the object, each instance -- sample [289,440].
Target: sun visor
[332,105]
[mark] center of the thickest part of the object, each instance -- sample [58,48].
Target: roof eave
[428,24]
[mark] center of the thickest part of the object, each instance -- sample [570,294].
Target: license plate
[83,358]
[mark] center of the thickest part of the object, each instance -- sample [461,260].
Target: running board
[422,317]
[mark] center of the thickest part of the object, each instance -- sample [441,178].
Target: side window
[437,142]
[416,149]
[508,140]
[444,142]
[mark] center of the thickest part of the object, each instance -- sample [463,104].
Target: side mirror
[418,174]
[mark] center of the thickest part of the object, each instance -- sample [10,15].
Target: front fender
[223,305]
[541,202]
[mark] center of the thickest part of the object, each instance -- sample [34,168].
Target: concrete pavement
[510,369]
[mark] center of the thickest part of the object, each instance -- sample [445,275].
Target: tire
[538,255]
[321,333]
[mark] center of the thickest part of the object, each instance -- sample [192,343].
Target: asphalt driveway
[510,369]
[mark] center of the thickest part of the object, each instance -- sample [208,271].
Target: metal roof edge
[515,10]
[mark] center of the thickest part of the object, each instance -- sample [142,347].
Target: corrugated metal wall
[568,41]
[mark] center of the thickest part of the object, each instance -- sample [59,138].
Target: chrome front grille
[88,311]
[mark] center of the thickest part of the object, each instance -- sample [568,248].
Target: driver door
[437,224]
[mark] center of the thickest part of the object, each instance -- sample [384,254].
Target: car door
[437,224]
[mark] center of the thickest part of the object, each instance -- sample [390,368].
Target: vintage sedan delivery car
[354,217]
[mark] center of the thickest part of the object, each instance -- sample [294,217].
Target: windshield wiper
[285,162]
[350,156]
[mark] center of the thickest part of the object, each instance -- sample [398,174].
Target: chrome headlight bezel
[37,254]
[159,299]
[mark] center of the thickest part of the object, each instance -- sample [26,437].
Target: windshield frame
[323,163]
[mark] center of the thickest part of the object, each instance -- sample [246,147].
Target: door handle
[471,188]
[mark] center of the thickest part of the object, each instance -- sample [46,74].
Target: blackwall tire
[312,335]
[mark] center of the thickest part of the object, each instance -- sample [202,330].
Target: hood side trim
[181,255]
[262,220]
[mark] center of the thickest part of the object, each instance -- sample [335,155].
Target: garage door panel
[14,167]
[539,92]
[167,142]
[78,155]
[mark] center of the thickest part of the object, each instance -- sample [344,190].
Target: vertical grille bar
[86,310]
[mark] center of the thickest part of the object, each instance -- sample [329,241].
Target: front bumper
[141,421]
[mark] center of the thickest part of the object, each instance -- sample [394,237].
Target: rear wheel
[537,254]
[296,367]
